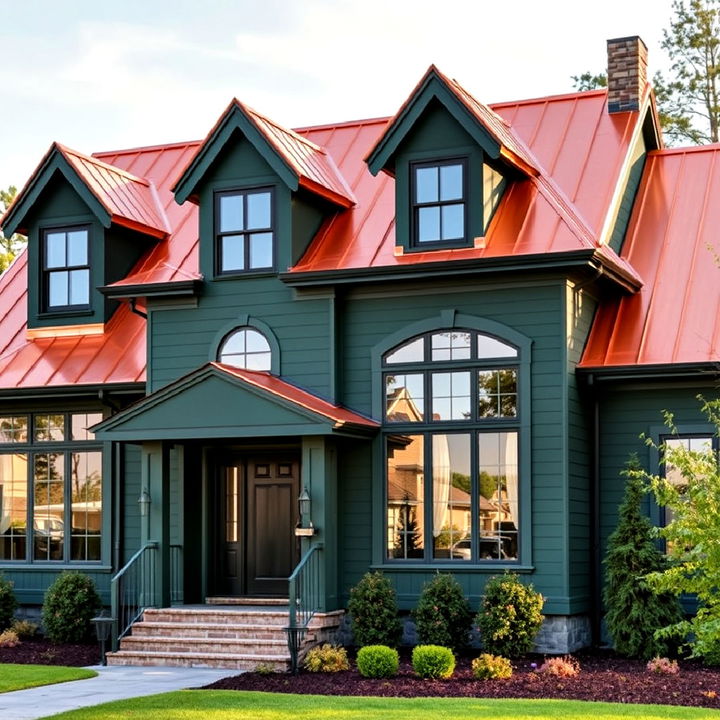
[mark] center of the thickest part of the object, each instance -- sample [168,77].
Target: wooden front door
[259,512]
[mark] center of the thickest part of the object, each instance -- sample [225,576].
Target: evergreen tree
[9,246]
[633,611]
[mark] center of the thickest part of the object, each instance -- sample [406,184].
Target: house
[413,344]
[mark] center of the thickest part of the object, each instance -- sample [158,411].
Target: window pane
[405,496]
[261,250]
[453,222]
[233,252]
[450,346]
[258,361]
[49,428]
[451,490]
[13,506]
[497,393]
[231,213]
[86,505]
[49,506]
[489,347]
[451,182]
[55,250]
[451,396]
[405,398]
[234,344]
[79,287]
[426,185]
[58,288]
[409,352]
[14,429]
[246,348]
[77,247]
[79,424]
[258,210]
[498,495]
[428,224]
[255,341]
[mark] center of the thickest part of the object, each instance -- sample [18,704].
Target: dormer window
[66,268]
[439,202]
[244,231]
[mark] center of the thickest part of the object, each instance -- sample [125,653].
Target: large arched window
[451,423]
[246,348]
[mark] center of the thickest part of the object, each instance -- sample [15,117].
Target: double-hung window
[244,231]
[439,202]
[451,432]
[66,268]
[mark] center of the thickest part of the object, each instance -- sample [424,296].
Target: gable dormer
[451,158]
[87,224]
[262,190]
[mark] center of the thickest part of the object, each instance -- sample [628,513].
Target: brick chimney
[627,73]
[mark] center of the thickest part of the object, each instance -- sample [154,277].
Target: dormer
[451,158]
[87,225]
[263,192]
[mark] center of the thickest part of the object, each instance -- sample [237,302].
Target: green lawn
[231,705]
[19,677]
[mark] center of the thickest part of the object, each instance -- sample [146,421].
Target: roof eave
[172,288]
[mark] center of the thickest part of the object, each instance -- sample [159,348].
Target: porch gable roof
[220,401]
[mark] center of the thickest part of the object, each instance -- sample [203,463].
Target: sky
[103,75]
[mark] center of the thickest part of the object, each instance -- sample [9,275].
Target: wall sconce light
[144,502]
[304,508]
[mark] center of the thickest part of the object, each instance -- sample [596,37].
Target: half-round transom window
[246,348]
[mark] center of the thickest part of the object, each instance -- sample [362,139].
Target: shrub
[326,658]
[24,629]
[9,638]
[433,661]
[510,616]
[8,603]
[443,615]
[377,661]
[69,605]
[663,666]
[265,669]
[374,612]
[561,667]
[634,611]
[490,667]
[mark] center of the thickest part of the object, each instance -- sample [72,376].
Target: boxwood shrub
[374,611]
[8,603]
[433,661]
[377,661]
[70,603]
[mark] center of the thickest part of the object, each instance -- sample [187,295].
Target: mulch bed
[603,677]
[42,652]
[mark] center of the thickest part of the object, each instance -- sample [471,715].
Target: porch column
[156,526]
[319,476]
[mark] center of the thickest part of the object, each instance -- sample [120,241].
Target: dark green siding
[130,487]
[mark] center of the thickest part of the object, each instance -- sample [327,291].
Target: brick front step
[217,616]
[239,661]
[224,646]
[266,602]
[208,630]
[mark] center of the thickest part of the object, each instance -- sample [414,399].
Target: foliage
[8,639]
[9,247]
[564,667]
[491,667]
[443,615]
[408,538]
[8,602]
[265,668]
[377,661]
[433,661]
[374,612]
[69,605]
[24,629]
[510,616]
[588,81]
[326,658]
[633,611]
[663,666]
[692,538]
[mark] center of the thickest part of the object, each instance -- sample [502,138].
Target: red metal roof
[673,243]
[285,390]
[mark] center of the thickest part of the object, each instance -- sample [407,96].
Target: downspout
[133,308]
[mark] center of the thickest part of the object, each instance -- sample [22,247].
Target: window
[50,488]
[438,202]
[451,434]
[66,268]
[244,231]
[246,348]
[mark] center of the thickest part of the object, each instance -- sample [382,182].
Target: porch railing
[176,575]
[133,589]
[304,595]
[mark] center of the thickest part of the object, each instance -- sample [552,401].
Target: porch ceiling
[219,401]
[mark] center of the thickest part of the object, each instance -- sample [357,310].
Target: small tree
[633,611]
[69,605]
[692,538]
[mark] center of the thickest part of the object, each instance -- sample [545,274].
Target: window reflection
[48,506]
[86,505]
[13,506]
[405,496]
[404,398]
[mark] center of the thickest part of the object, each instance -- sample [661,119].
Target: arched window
[246,348]
[451,422]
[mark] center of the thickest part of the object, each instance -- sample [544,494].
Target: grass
[231,705]
[20,677]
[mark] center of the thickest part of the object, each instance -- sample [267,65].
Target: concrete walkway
[112,683]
